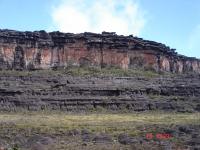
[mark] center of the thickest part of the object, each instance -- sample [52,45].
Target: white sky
[120,16]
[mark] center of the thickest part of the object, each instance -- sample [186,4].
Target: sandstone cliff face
[41,50]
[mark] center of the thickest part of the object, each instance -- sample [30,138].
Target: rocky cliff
[42,50]
[47,91]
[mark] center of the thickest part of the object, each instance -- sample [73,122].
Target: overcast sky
[175,23]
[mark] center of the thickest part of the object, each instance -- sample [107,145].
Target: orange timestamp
[158,136]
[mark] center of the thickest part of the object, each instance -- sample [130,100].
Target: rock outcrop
[67,93]
[42,50]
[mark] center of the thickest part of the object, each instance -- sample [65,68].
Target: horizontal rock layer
[42,50]
[48,92]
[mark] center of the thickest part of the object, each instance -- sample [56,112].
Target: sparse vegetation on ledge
[89,71]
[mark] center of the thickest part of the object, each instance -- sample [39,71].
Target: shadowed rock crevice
[19,61]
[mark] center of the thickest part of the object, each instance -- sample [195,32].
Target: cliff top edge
[109,38]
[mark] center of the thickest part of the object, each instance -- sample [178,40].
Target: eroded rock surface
[98,141]
[42,50]
[60,92]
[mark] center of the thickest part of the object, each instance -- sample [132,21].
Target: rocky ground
[58,91]
[169,105]
[63,131]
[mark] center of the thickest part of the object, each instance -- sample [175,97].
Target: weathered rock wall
[61,92]
[41,50]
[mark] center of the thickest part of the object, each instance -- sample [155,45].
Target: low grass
[85,71]
[110,123]
[110,72]
[56,124]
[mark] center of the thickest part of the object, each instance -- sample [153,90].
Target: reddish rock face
[7,52]
[41,50]
[151,61]
[195,66]
[165,64]
[114,58]
[179,65]
[46,58]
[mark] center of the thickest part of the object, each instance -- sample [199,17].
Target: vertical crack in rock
[19,62]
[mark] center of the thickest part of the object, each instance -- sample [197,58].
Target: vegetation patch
[109,123]
[86,71]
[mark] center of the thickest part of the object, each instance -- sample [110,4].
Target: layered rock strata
[42,50]
[67,93]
